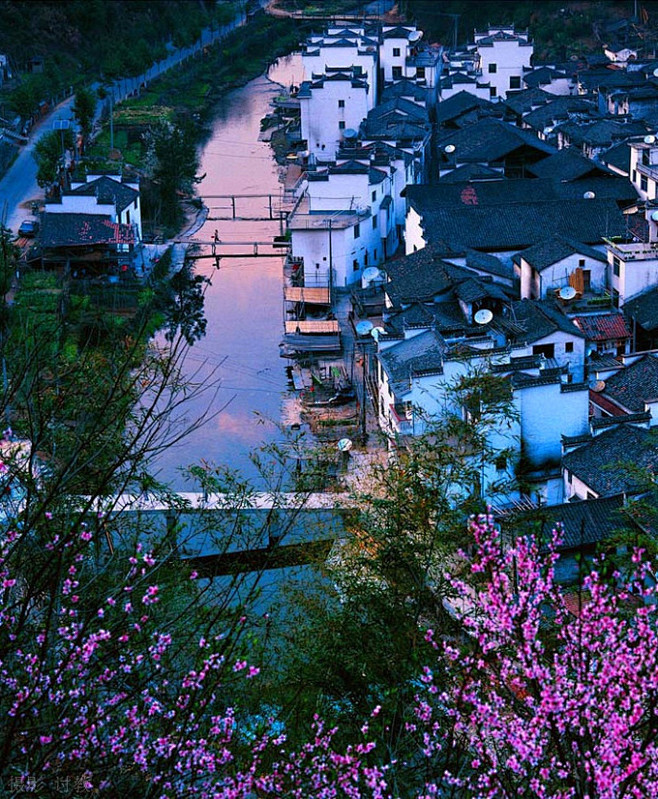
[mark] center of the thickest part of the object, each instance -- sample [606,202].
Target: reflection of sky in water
[243,304]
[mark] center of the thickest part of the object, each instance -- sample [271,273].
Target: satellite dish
[344,445]
[376,332]
[363,328]
[415,36]
[655,72]
[567,293]
[597,386]
[483,316]
[589,195]
[654,216]
[350,133]
[449,148]
[370,275]
[650,139]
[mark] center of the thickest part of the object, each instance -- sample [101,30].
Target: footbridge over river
[221,534]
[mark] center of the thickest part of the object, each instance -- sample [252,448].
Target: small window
[568,346]
[374,221]
[420,73]
[635,176]
[355,265]
[581,262]
[374,195]
[492,91]
[644,185]
[492,69]
[357,231]
[374,255]
[616,265]
[341,125]
[515,82]
[645,158]
[397,73]
[341,103]
[569,477]
[587,279]
[396,52]
[501,463]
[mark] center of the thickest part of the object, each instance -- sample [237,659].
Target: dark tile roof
[76,230]
[602,464]
[420,353]
[475,290]
[603,327]
[110,191]
[422,276]
[618,156]
[542,76]
[471,173]
[553,249]
[603,133]
[489,140]
[446,317]
[581,523]
[484,262]
[501,192]
[635,384]
[643,308]
[514,226]
[532,320]
[557,110]
[403,88]
[460,103]
[526,99]
[395,127]
[401,106]
[608,78]
[567,164]
[503,36]
[397,33]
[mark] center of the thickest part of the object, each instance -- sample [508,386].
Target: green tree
[49,153]
[173,163]
[84,110]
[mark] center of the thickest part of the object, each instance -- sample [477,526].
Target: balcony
[402,419]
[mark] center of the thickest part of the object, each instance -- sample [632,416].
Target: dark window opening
[568,346]
[515,82]
[547,350]
[493,68]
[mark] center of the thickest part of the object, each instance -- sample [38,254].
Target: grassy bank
[188,96]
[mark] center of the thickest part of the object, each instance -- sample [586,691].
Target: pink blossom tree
[550,698]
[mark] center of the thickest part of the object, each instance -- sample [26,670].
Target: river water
[243,303]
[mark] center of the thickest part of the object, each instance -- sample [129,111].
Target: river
[243,303]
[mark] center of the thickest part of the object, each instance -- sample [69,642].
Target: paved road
[18,187]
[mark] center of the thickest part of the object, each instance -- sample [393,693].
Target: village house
[550,79]
[504,55]
[583,527]
[593,137]
[634,265]
[332,106]
[101,195]
[642,314]
[492,143]
[416,378]
[507,227]
[606,333]
[621,458]
[557,263]
[630,390]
